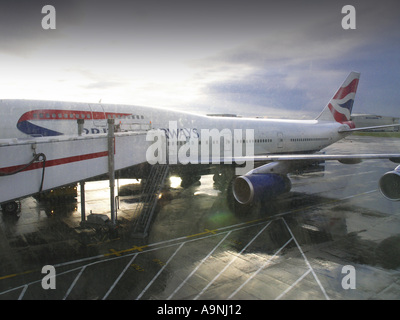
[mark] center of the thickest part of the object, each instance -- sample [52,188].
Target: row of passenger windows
[254,141]
[81,116]
[62,116]
[308,139]
[118,116]
[180,143]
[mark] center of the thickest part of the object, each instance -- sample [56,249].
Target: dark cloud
[300,63]
[285,54]
[21,23]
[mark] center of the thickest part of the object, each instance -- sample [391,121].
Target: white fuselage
[29,118]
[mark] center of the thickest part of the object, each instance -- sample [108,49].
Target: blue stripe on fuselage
[36,131]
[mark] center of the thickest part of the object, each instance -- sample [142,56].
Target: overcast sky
[268,58]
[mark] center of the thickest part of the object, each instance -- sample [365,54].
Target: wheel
[189,180]
[10,207]
[217,177]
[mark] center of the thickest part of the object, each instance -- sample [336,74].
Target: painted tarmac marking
[330,175]
[233,260]
[159,262]
[360,194]
[139,248]
[74,283]
[25,286]
[293,285]
[137,267]
[307,262]
[206,231]
[198,266]
[10,276]
[119,253]
[163,244]
[17,274]
[120,276]
[23,292]
[159,272]
[162,247]
[259,269]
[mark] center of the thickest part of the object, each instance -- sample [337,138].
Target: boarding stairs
[148,200]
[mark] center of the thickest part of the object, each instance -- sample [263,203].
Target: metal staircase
[148,200]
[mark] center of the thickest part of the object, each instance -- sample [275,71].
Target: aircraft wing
[270,179]
[321,157]
[344,158]
[344,130]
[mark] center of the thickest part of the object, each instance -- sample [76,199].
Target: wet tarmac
[334,236]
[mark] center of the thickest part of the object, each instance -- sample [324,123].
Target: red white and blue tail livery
[340,106]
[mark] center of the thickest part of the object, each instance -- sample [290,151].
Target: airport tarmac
[334,236]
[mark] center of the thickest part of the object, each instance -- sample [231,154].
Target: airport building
[370,120]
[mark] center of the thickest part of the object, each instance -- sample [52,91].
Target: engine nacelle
[390,184]
[249,188]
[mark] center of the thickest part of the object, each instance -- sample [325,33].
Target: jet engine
[252,187]
[389,184]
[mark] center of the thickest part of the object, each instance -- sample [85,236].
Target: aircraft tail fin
[340,106]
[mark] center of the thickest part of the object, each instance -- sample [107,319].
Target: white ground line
[198,266]
[23,292]
[233,260]
[259,269]
[74,282]
[306,260]
[24,287]
[120,276]
[296,282]
[155,245]
[159,272]
[360,194]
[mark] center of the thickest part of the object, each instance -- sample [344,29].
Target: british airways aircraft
[280,146]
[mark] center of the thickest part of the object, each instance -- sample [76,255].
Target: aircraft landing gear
[11,207]
[189,180]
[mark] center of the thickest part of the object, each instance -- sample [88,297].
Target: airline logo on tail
[341,105]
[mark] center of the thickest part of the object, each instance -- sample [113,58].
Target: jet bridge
[38,164]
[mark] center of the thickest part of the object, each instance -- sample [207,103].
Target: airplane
[277,146]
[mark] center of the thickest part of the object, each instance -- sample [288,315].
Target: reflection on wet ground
[296,247]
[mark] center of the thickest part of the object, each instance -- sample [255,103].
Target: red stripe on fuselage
[56,162]
[56,114]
